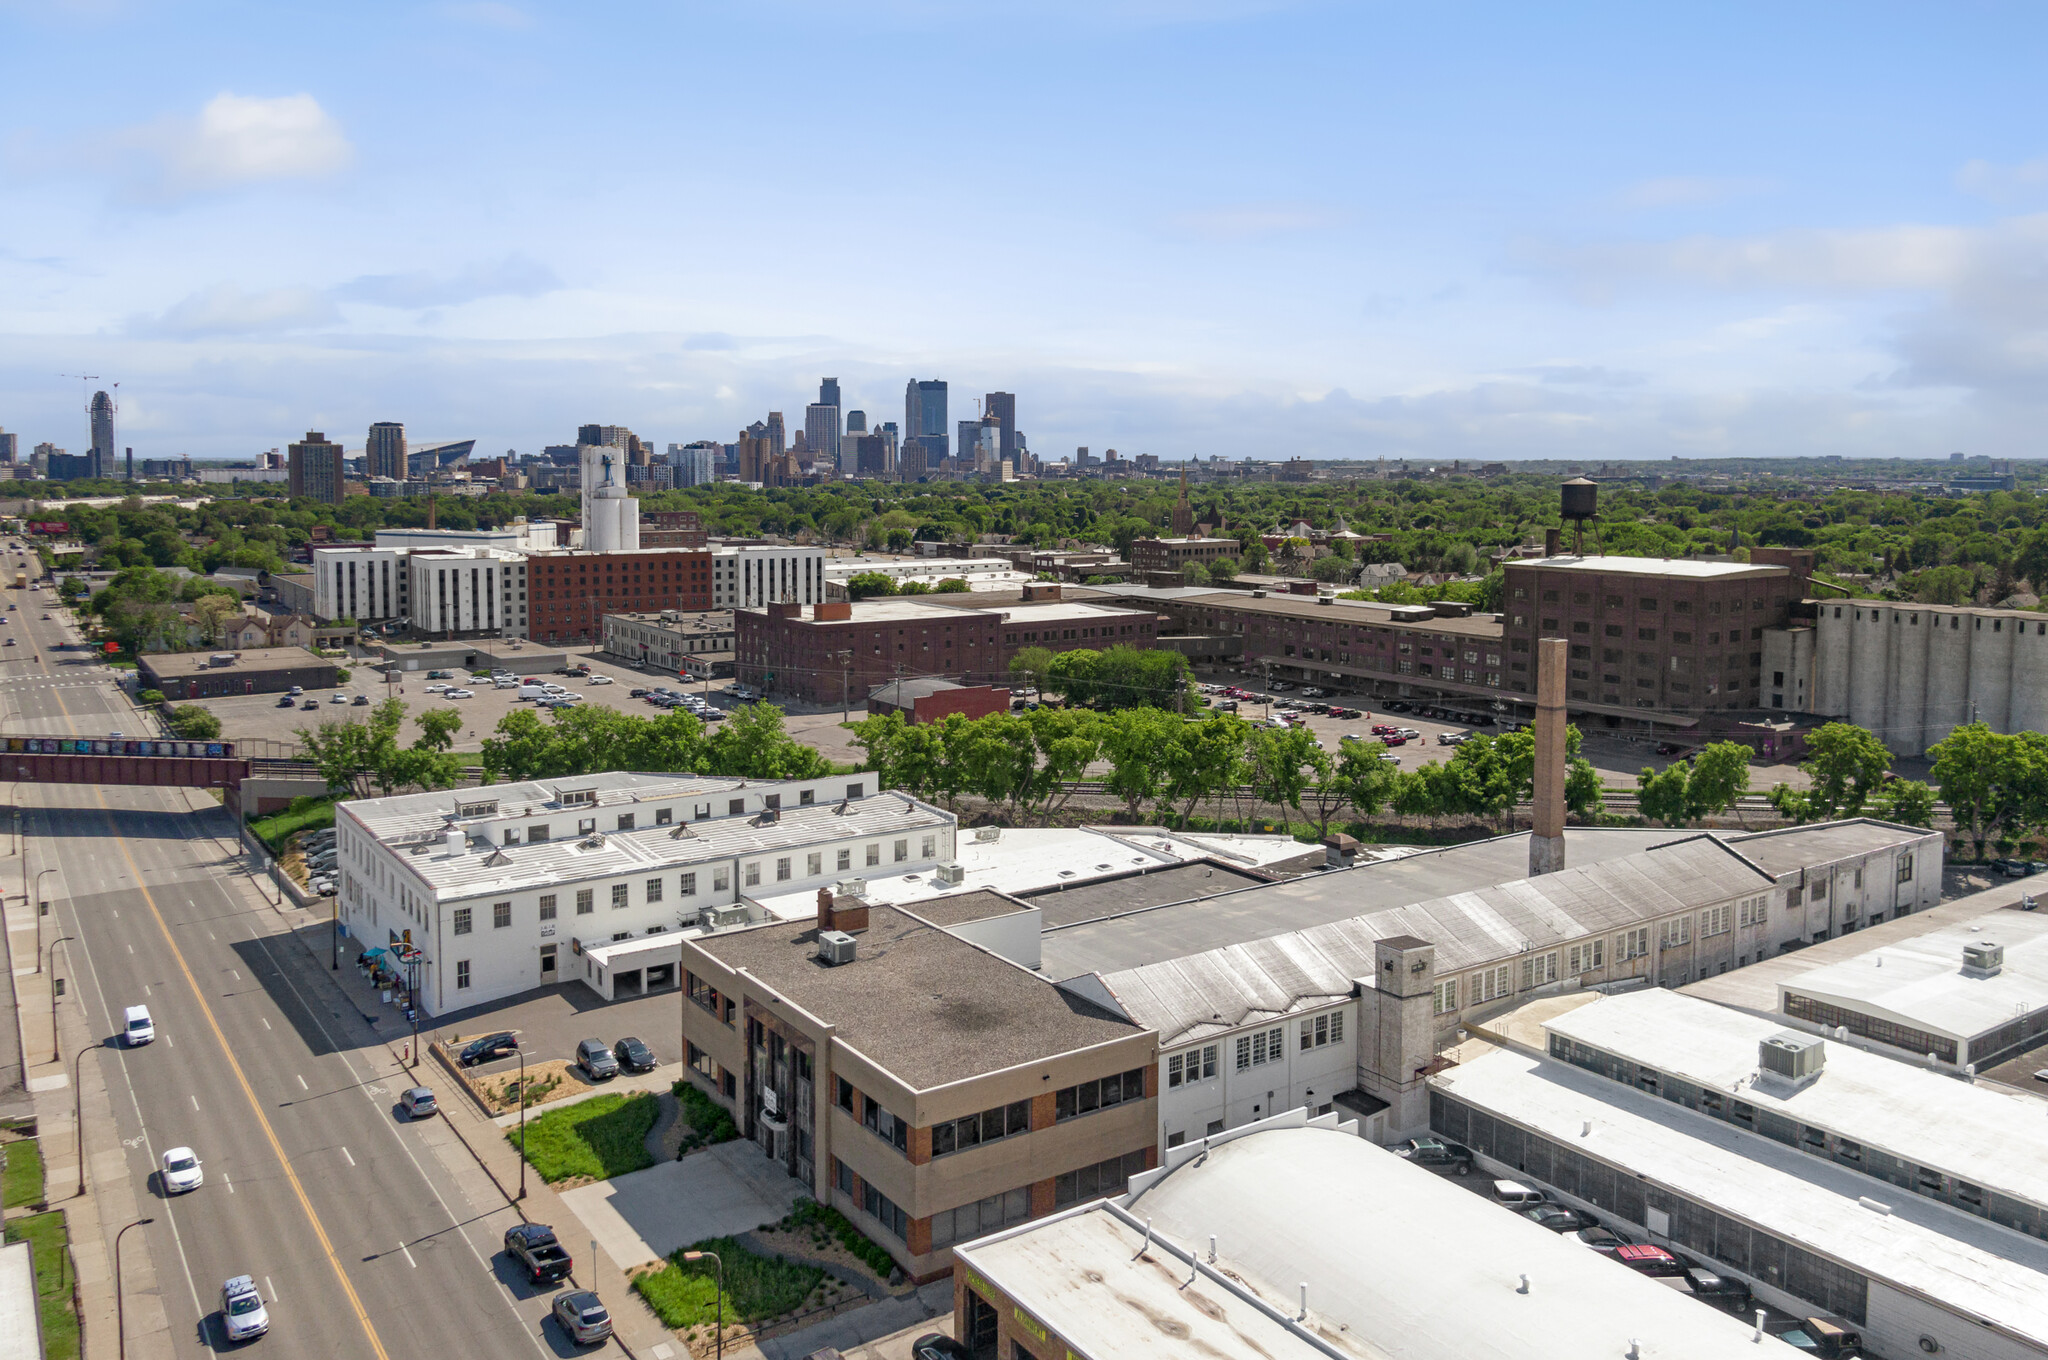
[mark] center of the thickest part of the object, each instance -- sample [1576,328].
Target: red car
[1648,1259]
[1393,741]
[1383,730]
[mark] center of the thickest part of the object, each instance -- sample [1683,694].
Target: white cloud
[235,140]
[1249,221]
[515,276]
[1673,191]
[2004,183]
[225,309]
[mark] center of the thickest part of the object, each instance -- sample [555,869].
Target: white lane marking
[117,913]
[269,1289]
[171,1041]
[226,1180]
[408,1257]
[195,1104]
[351,1160]
[209,935]
[236,971]
[145,989]
[131,949]
[302,1083]
[266,1022]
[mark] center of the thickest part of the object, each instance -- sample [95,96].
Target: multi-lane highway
[367,1235]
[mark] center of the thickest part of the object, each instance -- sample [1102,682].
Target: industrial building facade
[572,591]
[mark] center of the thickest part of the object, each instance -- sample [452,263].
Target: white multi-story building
[598,877]
[749,577]
[432,589]
[980,573]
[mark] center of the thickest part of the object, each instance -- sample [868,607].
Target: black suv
[489,1047]
[633,1055]
[596,1060]
[1435,1152]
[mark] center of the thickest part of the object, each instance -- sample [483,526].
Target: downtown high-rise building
[821,432]
[695,464]
[968,440]
[103,454]
[10,447]
[776,442]
[313,469]
[1003,406]
[384,451]
[924,415]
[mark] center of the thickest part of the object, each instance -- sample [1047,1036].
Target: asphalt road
[369,1236]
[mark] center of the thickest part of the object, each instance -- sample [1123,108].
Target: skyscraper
[10,447]
[696,464]
[821,431]
[924,415]
[828,392]
[313,469]
[856,422]
[103,452]
[1003,406]
[776,444]
[970,437]
[384,451]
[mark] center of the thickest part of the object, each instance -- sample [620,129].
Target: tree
[1071,675]
[1660,794]
[1031,667]
[867,584]
[1067,743]
[1719,778]
[1136,742]
[1194,574]
[1204,759]
[1971,767]
[1277,762]
[211,613]
[1845,766]
[1125,677]
[1223,569]
[1332,569]
[1907,802]
[438,727]
[952,585]
[753,744]
[194,723]
[1369,778]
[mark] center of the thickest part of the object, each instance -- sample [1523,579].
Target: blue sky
[1213,227]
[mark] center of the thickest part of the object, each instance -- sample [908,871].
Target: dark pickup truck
[534,1247]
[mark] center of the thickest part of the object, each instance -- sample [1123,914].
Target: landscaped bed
[545,1081]
[22,1182]
[759,1290]
[591,1140]
[709,1121]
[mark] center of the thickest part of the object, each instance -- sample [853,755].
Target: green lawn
[22,1182]
[49,1240]
[305,814]
[684,1293]
[602,1137]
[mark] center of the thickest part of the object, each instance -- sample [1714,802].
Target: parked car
[361,701]
[418,1103]
[596,1060]
[538,1252]
[938,1346]
[1435,1152]
[1558,1218]
[459,694]
[311,706]
[1518,1194]
[1731,1293]
[582,1315]
[639,693]
[633,1055]
[287,702]
[1393,739]
[1649,1260]
[242,1314]
[1824,1335]
[489,1047]
[1227,706]
[1606,1241]
[181,1171]
[600,680]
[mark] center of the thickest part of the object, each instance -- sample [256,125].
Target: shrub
[602,1137]
[341,674]
[150,697]
[808,1213]
[685,1293]
[709,1121]
[304,814]
[194,723]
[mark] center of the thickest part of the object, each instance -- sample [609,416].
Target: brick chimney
[1546,837]
[841,911]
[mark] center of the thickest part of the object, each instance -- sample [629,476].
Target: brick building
[929,701]
[571,592]
[1171,554]
[822,653]
[672,529]
[1674,636]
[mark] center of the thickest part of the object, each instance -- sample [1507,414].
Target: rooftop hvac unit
[722,917]
[986,834]
[950,873]
[835,947]
[850,887]
[1983,959]
[1795,1057]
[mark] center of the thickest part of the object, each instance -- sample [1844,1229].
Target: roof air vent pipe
[1758,1335]
[1302,1316]
[1523,1287]
[1212,1248]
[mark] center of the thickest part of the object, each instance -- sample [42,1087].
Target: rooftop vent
[454,843]
[722,917]
[836,947]
[850,887]
[988,834]
[1794,1057]
[949,872]
[1983,958]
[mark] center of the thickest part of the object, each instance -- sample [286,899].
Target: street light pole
[40,906]
[120,1302]
[78,1110]
[55,1054]
[522,1122]
[718,1306]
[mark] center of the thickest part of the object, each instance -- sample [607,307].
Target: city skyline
[1495,234]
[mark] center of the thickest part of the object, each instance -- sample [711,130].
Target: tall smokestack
[1546,838]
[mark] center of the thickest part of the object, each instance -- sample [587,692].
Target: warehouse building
[1294,1238]
[1808,1228]
[212,675]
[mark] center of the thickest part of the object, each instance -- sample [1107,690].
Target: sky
[1212,227]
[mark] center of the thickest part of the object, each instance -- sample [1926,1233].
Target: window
[735,807]
[884,1125]
[501,915]
[547,906]
[689,885]
[1631,944]
[1490,984]
[1092,1182]
[1100,1094]
[902,851]
[1677,932]
[619,895]
[1256,1050]
[1906,867]
[1859,879]
[845,860]
[782,869]
[1752,911]
[928,847]
[536,833]
[583,901]
[625,821]
[970,1221]
[702,1064]
[881,1208]
[462,915]
[1446,994]
[1197,1064]
[1819,889]
[721,880]
[663,816]
[1714,921]
[990,1126]
[461,974]
[753,878]
[1646,634]
[1538,969]
[1324,1031]
[1587,957]
[874,854]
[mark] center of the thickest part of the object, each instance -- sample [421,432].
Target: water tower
[1581,505]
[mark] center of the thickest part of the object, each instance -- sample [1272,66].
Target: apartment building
[751,575]
[1149,555]
[573,591]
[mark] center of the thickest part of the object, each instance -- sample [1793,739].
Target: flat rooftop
[1685,568]
[1978,1133]
[1962,1262]
[1064,906]
[1789,849]
[1921,981]
[1400,1262]
[1153,935]
[919,1002]
[254,659]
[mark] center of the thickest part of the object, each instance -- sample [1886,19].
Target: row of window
[1004,1121]
[1100,1094]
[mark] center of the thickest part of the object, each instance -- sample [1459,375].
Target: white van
[533,692]
[139,1029]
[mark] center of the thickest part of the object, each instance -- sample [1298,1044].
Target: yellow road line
[327,1247]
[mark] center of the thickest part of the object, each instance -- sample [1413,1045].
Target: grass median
[596,1139]
[49,1240]
[22,1182]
